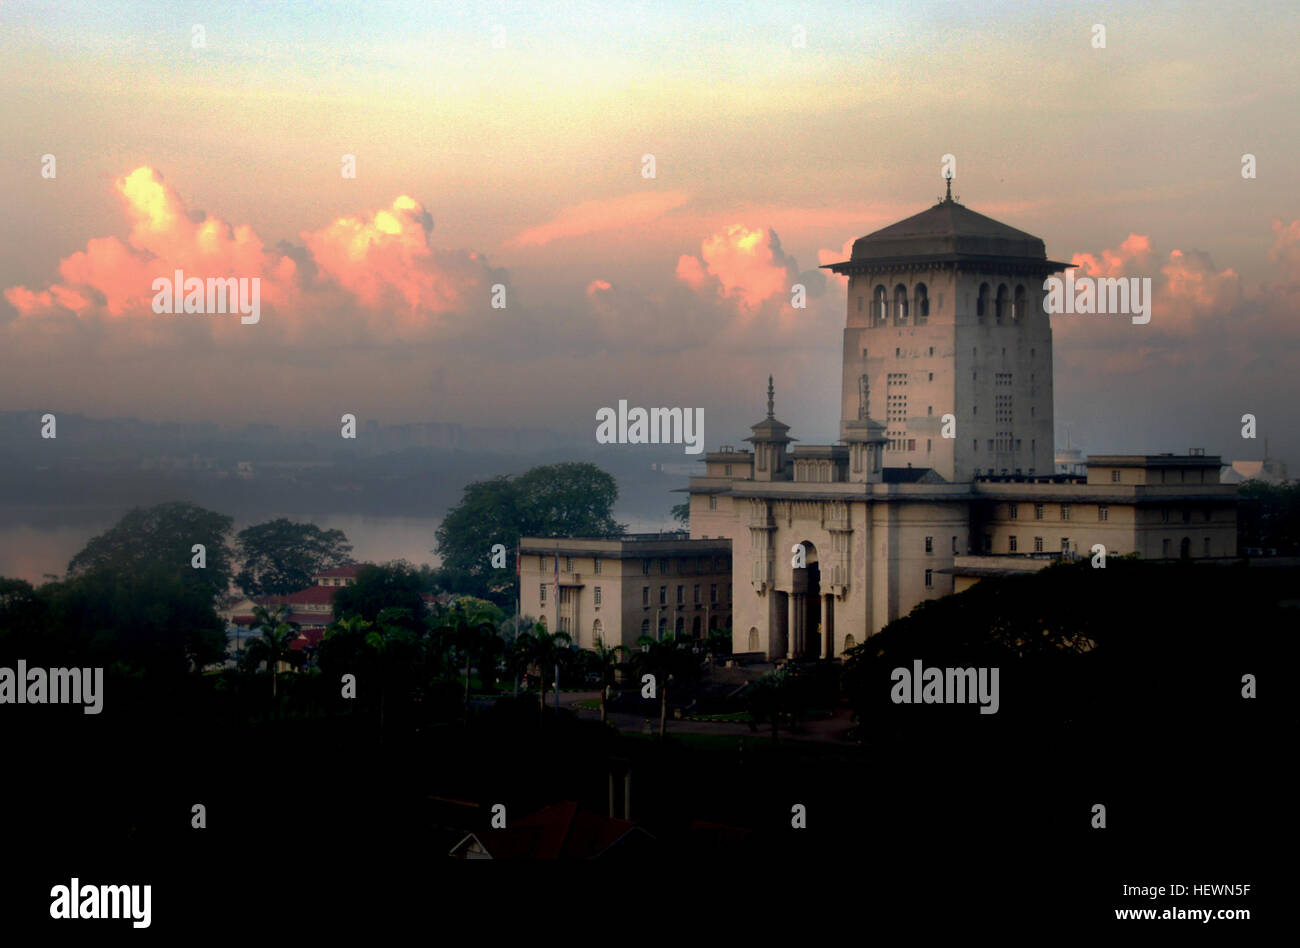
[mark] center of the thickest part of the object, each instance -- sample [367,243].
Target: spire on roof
[949,199]
[771,398]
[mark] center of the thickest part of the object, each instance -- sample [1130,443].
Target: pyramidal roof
[946,231]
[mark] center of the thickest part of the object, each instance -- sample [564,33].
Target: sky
[504,145]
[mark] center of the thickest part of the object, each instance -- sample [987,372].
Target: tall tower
[946,316]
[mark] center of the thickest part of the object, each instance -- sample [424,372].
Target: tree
[547,650]
[471,623]
[682,514]
[570,499]
[607,658]
[274,643]
[396,585]
[667,661]
[281,556]
[150,539]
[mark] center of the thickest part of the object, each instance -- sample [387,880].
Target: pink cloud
[743,265]
[591,217]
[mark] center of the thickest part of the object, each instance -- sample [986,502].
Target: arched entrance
[811,619]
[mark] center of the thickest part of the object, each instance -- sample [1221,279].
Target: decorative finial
[771,398]
[949,177]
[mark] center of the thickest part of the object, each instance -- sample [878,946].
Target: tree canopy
[393,585]
[281,556]
[568,499]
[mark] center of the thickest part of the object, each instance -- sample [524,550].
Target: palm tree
[549,649]
[520,655]
[664,660]
[606,658]
[470,622]
[273,645]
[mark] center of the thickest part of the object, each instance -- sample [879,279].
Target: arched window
[982,303]
[900,305]
[1018,311]
[645,626]
[663,627]
[879,307]
[597,632]
[922,309]
[1001,302]
[753,639]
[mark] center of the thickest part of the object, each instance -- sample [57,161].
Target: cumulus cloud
[591,217]
[746,267]
[381,266]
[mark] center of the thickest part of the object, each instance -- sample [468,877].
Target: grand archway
[811,620]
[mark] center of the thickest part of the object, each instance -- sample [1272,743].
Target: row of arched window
[1000,304]
[916,308]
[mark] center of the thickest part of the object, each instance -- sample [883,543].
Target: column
[790,627]
[826,626]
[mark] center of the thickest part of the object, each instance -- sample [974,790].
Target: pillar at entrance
[791,633]
[826,625]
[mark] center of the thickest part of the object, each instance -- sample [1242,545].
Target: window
[645,626]
[859,304]
[1206,551]
[988,543]
[954,544]
[982,302]
[1038,511]
[713,593]
[726,470]
[922,306]
[1065,544]
[541,562]
[1038,544]
[1014,511]
[1207,514]
[879,307]
[568,564]
[663,595]
[1001,302]
[645,595]
[1114,477]
[1164,516]
[597,594]
[1187,516]
[929,544]
[931,376]
[1065,511]
[681,595]
[713,502]
[697,593]
[929,579]
[645,567]
[542,591]
[1164,548]
[1103,512]
[595,565]
[900,305]
[932,350]
[663,567]
[1011,544]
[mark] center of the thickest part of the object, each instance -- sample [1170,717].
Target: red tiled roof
[346,571]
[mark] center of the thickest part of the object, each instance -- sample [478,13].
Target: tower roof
[946,232]
[769,429]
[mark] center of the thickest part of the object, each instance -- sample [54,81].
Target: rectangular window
[1014,511]
[929,579]
[541,562]
[645,595]
[1038,511]
[727,470]
[663,567]
[1164,516]
[597,594]
[929,544]
[663,595]
[1065,544]
[1011,544]
[713,593]
[697,593]
[1065,511]
[542,590]
[645,567]
[713,502]
[1038,544]
[1103,512]
[1114,477]
[681,595]
[568,564]
[595,565]
[954,544]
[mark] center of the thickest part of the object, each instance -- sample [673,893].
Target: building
[946,475]
[617,589]
[311,608]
